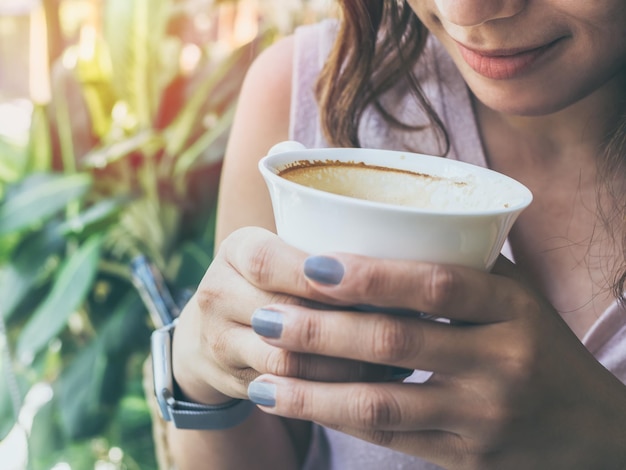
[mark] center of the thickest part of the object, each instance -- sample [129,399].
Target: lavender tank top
[449,96]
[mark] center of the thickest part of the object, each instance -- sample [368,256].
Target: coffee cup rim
[270,170]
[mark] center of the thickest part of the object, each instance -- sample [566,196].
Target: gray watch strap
[187,415]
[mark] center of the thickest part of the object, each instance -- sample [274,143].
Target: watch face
[161,349]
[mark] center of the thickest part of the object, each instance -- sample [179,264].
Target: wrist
[199,392]
[184,413]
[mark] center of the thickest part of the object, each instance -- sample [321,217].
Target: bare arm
[262,119]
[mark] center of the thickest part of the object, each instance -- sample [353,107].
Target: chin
[528,103]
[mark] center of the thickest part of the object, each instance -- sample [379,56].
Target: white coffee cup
[398,204]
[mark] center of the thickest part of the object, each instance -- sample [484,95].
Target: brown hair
[378,44]
[612,182]
[390,40]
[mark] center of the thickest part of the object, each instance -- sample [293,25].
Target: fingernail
[324,270]
[262,393]
[400,373]
[268,323]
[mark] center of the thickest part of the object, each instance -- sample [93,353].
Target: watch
[184,414]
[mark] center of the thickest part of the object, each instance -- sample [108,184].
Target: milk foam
[436,193]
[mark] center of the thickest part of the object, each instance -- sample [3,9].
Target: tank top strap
[312,47]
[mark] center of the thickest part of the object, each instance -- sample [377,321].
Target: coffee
[396,186]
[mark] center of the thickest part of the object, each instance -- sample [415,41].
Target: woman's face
[532,57]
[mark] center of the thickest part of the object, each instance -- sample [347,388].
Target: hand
[216,353]
[512,385]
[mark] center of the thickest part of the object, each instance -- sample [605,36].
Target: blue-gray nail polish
[262,393]
[268,323]
[324,270]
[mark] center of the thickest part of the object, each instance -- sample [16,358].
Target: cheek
[598,12]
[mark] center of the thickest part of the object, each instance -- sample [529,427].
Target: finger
[268,263]
[225,295]
[268,359]
[449,291]
[506,268]
[244,356]
[408,342]
[400,407]
[416,419]
[222,359]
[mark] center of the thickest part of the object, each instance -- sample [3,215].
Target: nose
[475,12]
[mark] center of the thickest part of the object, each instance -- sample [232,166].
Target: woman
[530,371]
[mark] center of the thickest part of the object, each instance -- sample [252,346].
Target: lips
[503,65]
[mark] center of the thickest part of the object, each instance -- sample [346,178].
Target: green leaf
[132,430]
[28,203]
[190,264]
[12,391]
[40,143]
[135,32]
[190,155]
[126,331]
[78,454]
[210,93]
[46,438]
[93,71]
[61,106]
[78,392]
[179,131]
[103,156]
[26,267]
[74,281]
[94,381]
[12,157]
[7,245]
[95,216]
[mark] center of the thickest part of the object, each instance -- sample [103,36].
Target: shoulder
[291,66]
[269,77]
[275,62]
[261,120]
[265,97]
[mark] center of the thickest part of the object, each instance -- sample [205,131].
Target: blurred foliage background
[113,121]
